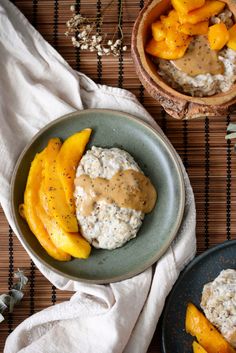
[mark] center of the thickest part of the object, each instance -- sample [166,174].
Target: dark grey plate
[158,161]
[188,288]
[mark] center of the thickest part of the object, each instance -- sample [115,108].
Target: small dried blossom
[86,35]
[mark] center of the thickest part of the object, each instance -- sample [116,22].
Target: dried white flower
[85,34]
[72,8]
[99,39]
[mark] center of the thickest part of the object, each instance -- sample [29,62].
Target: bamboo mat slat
[208,158]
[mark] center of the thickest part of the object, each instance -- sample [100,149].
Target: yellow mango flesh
[207,335]
[161,50]
[31,200]
[56,199]
[67,161]
[211,8]
[218,36]
[72,243]
[232,38]
[194,29]
[197,348]
[171,20]
[158,31]
[175,39]
[187,5]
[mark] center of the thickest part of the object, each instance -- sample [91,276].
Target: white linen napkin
[37,86]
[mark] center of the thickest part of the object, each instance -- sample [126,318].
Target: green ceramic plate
[158,161]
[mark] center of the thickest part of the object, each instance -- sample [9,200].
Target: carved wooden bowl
[178,105]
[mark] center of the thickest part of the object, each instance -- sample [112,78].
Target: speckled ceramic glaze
[158,161]
[203,269]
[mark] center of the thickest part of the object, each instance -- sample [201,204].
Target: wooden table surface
[208,158]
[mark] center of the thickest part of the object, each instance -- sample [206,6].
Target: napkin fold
[36,87]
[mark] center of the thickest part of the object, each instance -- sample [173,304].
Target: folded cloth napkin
[37,86]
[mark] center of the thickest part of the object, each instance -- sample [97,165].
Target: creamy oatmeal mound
[219,304]
[203,84]
[107,226]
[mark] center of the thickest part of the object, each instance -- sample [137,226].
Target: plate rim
[174,156]
[195,260]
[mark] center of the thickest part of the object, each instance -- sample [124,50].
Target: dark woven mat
[208,158]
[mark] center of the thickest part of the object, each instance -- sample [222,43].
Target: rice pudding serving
[194,48]
[97,198]
[219,304]
[112,195]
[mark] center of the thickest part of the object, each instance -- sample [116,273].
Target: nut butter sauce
[129,189]
[199,59]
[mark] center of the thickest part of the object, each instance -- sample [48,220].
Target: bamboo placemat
[208,158]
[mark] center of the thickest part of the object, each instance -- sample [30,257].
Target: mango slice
[194,29]
[197,348]
[31,199]
[72,243]
[211,8]
[56,200]
[187,5]
[207,335]
[171,20]
[175,39]
[232,38]
[161,50]
[158,31]
[218,36]
[67,161]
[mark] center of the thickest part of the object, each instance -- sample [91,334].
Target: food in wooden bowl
[185,55]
